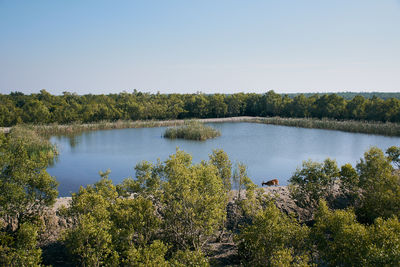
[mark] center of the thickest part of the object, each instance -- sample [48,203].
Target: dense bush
[314,181]
[341,240]
[26,190]
[372,188]
[193,201]
[369,233]
[179,206]
[273,238]
[393,153]
[113,229]
[379,186]
[220,159]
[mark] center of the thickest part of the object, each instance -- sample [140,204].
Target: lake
[268,151]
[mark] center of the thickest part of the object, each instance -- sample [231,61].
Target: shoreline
[378,128]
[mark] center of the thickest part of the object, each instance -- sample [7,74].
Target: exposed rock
[54,224]
[286,204]
[283,202]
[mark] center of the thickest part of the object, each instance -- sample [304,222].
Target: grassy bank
[380,128]
[192,130]
[76,128]
[36,146]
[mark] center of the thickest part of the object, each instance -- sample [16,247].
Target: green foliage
[37,147]
[314,181]
[349,181]
[342,241]
[26,189]
[90,242]
[170,210]
[384,242]
[273,238]
[134,222]
[192,130]
[352,95]
[393,153]
[151,255]
[193,201]
[94,199]
[220,159]
[35,111]
[114,227]
[373,188]
[25,186]
[336,239]
[9,113]
[111,230]
[147,182]
[184,258]
[242,181]
[19,248]
[331,105]
[250,199]
[286,257]
[68,108]
[123,110]
[379,185]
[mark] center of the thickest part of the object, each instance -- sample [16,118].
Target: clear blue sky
[211,46]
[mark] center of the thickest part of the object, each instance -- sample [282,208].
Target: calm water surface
[269,151]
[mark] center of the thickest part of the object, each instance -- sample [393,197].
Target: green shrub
[183,258]
[286,257]
[379,186]
[373,187]
[313,182]
[341,241]
[112,228]
[148,255]
[26,190]
[272,233]
[393,153]
[193,201]
[20,247]
[220,159]
[90,241]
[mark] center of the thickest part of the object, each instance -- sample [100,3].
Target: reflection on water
[269,151]
[73,139]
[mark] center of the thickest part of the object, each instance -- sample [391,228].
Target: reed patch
[192,130]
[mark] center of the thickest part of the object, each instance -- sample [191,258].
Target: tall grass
[193,130]
[35,144]
[76,128]
[380,128]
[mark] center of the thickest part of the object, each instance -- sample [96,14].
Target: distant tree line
[44,108]
[351,95]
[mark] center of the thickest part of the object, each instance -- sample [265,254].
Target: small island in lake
[193,130]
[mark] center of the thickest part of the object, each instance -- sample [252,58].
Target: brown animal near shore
[270,182]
